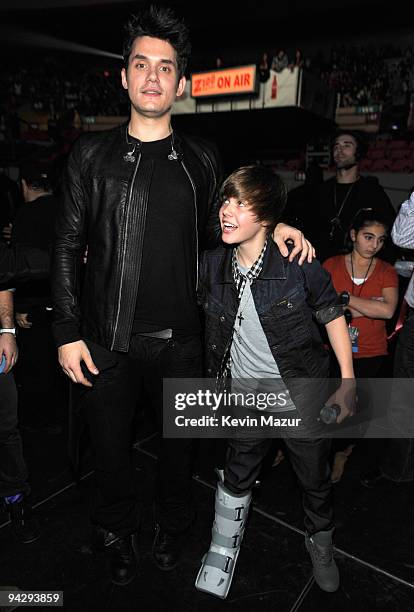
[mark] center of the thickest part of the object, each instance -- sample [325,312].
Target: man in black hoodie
[341,197]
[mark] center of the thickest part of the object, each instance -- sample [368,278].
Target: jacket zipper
[123,252]
[227,349]
[196,218]
[221,370]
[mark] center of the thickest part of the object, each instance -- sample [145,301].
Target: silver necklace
[336,221]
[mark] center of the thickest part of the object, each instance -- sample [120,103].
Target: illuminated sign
[227,82]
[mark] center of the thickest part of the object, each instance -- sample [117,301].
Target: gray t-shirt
[251,357]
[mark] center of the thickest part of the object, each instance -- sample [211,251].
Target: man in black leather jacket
[138,199]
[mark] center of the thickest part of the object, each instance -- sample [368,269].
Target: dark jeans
[13,472]
[109,409]
[398,461]
[310,461]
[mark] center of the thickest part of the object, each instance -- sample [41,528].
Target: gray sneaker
[325,570]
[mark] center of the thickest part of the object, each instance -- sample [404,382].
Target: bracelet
[344,298]
[10,330]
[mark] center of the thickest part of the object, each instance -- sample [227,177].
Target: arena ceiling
[40,4]
[216,25]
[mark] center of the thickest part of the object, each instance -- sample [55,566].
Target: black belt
[163,334]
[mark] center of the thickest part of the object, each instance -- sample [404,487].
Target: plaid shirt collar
[240,279]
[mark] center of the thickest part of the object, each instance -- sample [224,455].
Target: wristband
[344,298]
[8,330]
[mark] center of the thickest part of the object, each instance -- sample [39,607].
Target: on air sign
[227,82]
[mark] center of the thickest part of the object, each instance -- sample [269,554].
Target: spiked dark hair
[159,22]
[261,188]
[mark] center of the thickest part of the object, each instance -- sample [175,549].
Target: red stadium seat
[381,165]
[377,153]
[399,153]
[402,165]
[397,144]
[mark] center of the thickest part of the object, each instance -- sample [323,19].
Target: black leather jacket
[104,209]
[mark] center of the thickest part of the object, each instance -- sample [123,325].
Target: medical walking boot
[217,569]
[325,571]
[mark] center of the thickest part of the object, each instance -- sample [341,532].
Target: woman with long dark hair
[368,287]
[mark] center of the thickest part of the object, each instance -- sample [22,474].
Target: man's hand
[283,232]
[70,357]
[345,397]
[22,320]
[8,348]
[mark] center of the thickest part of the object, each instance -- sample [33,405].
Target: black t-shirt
[337,204]
[35,222]
[167,288]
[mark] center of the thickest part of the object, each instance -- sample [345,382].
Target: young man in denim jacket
[261,314]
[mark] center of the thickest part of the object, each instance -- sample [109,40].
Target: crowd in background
[366,75]
[360,75]
[57,85]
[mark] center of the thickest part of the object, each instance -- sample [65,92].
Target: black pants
[398,461]
[109,409]
[39,379]
[310,461]
[13,472]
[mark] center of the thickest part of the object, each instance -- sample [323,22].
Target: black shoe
[165,550]
[24,524]
[325,570]
[122,557]
[373,478]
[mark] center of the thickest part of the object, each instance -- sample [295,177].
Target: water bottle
[329,414]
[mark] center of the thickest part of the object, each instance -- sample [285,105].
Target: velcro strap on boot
[233,514]
[110,538]
[226,541]
[221,562]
